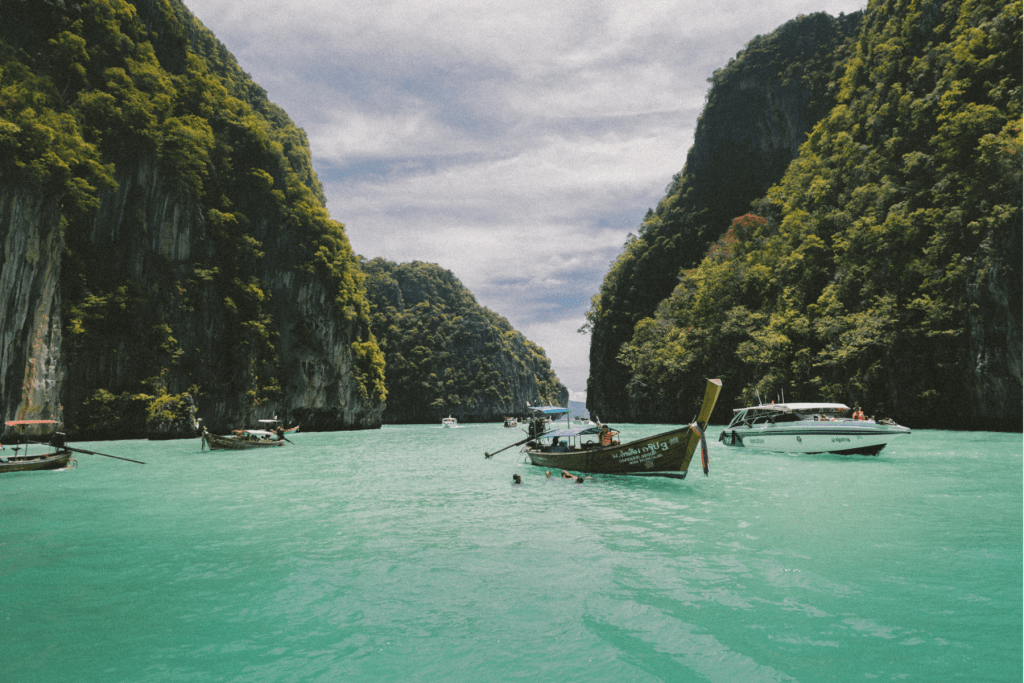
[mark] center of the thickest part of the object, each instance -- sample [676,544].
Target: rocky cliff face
[31,367]
[152,235]
[166,255]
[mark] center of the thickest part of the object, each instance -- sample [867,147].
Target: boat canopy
[549,410]
[798,407]
[575,431]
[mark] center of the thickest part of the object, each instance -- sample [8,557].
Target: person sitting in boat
[607,435]
[280,433]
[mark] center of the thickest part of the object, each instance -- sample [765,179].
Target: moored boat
[808,428]
[511,422]
[55,455]
[543,415]
[242,439]
[594,450]
[277,426]
[449,422]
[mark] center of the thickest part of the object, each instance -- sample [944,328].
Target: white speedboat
[808,428]
[449,422]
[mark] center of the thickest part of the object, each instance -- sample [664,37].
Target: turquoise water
[403,555]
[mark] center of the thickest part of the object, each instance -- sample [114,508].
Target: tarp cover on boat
[575,431]
[549,410]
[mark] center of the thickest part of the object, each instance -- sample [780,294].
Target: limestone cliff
[759,109]
[31,367]
[166,253]
[448,355]
[882,268]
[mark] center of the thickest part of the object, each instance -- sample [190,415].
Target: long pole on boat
[80,450]
[517,443]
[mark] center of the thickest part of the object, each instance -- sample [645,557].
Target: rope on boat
[703,446]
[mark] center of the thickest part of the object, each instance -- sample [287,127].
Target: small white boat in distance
[449,422]
[808,428]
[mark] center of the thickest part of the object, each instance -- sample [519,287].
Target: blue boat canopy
[575,431]
[549,410]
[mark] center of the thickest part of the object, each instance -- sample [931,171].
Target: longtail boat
[242,439]
[593,449]
[55,457]
[272,424]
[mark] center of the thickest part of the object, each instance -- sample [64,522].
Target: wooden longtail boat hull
[230,443]
[665,455]
[50,461]
[670,452]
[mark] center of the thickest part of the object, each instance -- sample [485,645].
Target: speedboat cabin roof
[798,407]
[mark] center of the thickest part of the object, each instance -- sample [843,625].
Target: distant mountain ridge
[448,355]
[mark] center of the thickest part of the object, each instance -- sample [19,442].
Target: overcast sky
[515,143]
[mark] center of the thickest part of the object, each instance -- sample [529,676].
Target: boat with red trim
[53,456]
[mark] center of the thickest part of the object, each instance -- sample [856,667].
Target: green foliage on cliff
[446,354]
[885,267]
[103,88]
[758,110]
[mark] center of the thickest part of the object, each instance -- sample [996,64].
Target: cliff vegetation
[448,355]
[165,243]
[758,111]
[883,268]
